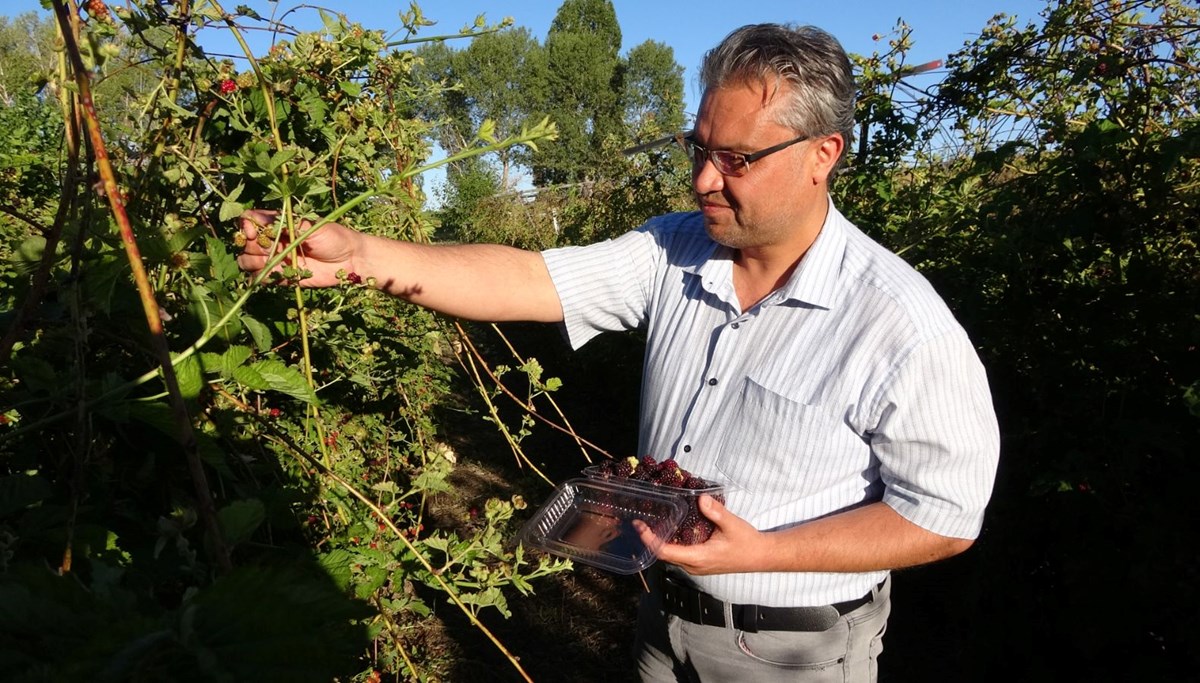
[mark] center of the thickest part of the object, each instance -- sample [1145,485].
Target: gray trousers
[672,650]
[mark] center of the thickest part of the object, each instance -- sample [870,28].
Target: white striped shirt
[851,383]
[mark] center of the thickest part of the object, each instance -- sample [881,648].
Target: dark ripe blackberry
[623,469]
[694,482]
[685,536]
[695,529]
[648,462]
[607,468]
[670,476]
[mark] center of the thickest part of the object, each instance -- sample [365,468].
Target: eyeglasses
[733,164]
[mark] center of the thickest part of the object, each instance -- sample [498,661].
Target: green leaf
[247,11]
[224,364]
[258,331]
[231,210]
[240,519]
[491,597]
[224,264]
[337,564]
[274,375]
[375,578]
[190,377]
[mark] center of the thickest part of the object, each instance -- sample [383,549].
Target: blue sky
[689,27]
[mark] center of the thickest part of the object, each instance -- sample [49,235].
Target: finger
[252,220]
[646,534]
[711,507]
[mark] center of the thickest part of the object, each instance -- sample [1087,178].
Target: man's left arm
[868,538]
[937,442]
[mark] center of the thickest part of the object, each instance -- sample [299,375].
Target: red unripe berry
[228,85]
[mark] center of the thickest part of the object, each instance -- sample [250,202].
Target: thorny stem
[568,431]
[567,423]
[116,202]
[289,219]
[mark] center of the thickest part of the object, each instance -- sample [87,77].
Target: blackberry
[624,468]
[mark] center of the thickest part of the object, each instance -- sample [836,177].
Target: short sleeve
[937,439]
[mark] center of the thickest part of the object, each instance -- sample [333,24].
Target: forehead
[738,113]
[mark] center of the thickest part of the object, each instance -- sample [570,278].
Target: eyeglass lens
[727,163]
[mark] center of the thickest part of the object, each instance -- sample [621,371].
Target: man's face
[768,206]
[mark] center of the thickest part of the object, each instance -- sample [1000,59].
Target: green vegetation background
[1047,186]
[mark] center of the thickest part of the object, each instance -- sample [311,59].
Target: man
[788,356]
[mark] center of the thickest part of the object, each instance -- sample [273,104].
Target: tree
[27,55]
[583,86]
[652,92]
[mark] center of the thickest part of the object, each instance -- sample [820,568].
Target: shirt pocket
[771,442]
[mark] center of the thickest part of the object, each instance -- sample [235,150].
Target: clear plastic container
[590,520]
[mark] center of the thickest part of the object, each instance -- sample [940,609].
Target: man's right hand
[330,249]
[476,281]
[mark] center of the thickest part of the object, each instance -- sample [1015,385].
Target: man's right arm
[476,281]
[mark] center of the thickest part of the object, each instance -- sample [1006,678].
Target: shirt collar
[813,282]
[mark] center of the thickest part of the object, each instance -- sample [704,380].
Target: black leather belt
[699,607]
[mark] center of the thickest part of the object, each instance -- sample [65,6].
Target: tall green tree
[582,60]
[652,92]
[27,55]
[497,77]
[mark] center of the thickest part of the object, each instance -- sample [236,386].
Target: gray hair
[821,96]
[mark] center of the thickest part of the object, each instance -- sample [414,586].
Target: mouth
[712,207]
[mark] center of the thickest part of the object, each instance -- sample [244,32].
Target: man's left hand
[734,546]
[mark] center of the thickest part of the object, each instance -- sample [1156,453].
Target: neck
[758,271]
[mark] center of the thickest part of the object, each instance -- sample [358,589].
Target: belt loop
[749,617]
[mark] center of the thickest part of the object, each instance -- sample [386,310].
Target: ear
[826,155]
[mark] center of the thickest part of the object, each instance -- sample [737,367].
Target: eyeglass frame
[687,142]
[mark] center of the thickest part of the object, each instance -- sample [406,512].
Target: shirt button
[687,449]
[712,382]
[736,325]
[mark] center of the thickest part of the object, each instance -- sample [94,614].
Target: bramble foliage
[1048,186]
[308,414]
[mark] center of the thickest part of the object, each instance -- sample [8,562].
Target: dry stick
[569,432]
[549,398]
[187,437]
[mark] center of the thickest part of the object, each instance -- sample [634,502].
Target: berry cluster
[695,528]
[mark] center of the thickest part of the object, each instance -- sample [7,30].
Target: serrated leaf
[240,519]
[432,481]
[231,210]
[490,597]
[190,377]
[258,331]
[273,375]
[337,564]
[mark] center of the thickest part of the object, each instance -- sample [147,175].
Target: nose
[706,178]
